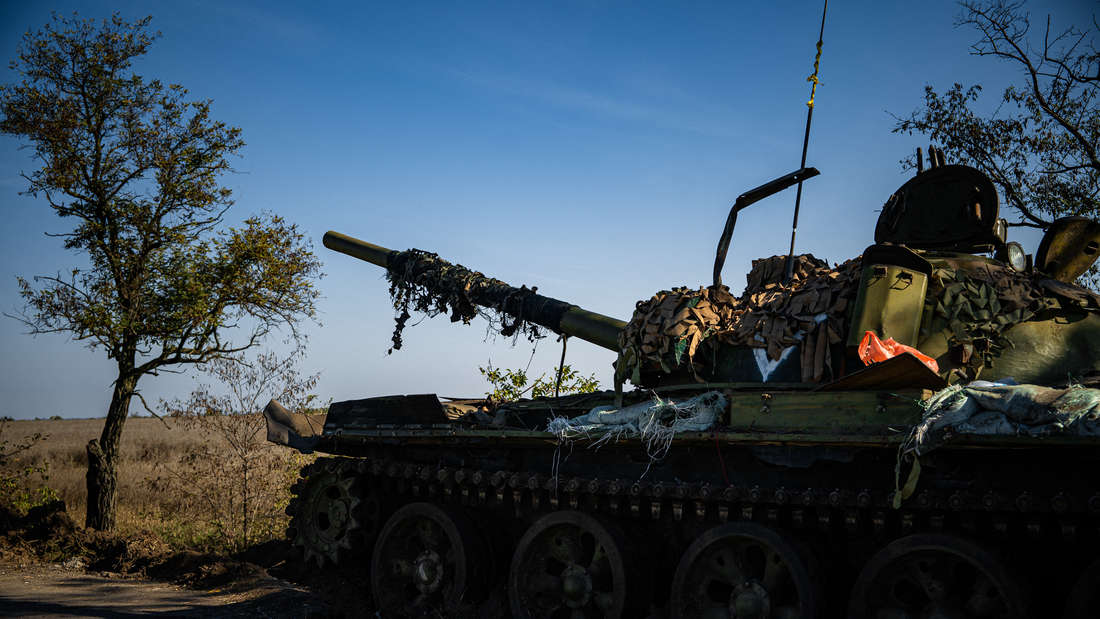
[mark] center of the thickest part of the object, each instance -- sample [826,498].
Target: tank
[822,445]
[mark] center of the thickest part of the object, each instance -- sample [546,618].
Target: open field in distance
[174,476]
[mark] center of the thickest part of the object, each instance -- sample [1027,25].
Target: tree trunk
[102,477]
[102,482]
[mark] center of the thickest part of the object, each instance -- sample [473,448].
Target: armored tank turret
[910,433]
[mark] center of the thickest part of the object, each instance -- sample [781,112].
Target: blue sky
[589,148]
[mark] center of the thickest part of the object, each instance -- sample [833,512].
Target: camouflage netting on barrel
[670,330]
[422,281]
[979,304]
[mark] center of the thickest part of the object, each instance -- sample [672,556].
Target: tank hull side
[834,499]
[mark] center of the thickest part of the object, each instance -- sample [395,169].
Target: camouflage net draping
[977,305]
[980,304]
[668,331]
[422,281]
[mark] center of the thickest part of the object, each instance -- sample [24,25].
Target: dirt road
[55,590]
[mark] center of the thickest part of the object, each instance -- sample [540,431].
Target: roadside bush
[24,484]
[234,482]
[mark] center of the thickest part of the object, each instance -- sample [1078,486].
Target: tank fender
[290,429]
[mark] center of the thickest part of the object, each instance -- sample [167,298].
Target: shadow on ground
[49,566]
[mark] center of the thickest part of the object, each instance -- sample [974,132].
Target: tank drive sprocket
[333,512]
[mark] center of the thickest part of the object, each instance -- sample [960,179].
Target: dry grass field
[179,478]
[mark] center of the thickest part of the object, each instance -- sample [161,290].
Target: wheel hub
[337,514]
[745,570]
[576,586]
[428,572]
[428,561]
[569,563]
[750,600]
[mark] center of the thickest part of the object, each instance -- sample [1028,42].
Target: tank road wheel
[326,513]
[428,560]
[743,569]
[1084,599]
[569,564]
[932,575]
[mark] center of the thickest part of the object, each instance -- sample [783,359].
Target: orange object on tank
[873,350]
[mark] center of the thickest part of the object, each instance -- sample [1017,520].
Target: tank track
[1039,525]
[860,510]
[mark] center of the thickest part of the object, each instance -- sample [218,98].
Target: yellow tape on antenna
[813,78]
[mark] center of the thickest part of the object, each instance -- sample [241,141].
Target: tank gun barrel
[558,316]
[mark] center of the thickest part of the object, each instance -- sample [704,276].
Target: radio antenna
[806,143]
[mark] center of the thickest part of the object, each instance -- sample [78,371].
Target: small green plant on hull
[510,385]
